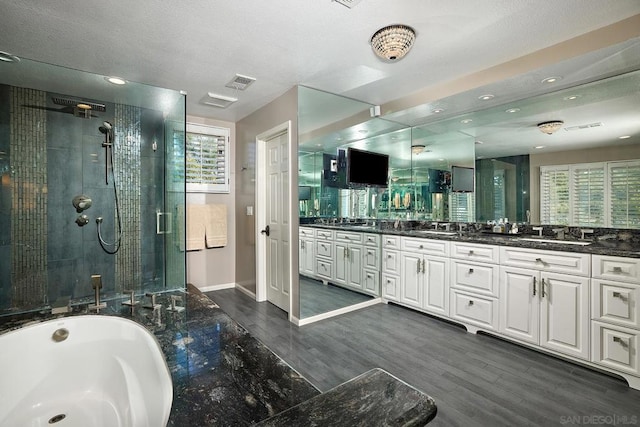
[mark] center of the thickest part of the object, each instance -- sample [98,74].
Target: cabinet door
[341,266]
[564,314]
[390,287]
[519,303]
[354,266]
[371,258]
[411,281]
[371,281]
[436,285]
[307,258]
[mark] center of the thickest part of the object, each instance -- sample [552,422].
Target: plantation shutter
[588,195]
[207,159]
[624,186]
[462,207]
[554,194]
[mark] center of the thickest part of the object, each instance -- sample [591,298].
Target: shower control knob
[81,203]
[82,220]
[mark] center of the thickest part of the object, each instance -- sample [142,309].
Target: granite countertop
[375,398]
[615,243]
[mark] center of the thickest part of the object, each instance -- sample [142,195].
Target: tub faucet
[96,284]
[538,229]
[152,301]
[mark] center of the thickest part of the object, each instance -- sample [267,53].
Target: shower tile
[67,278]
[63,129]
[5,276]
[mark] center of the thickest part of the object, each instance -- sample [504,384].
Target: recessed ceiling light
[437,110]
[624,137]
[7,57]
[571,97]
[363,131]
[552,79]
[441,160]
[486,97]
[512,110]
[479,142]
[115,80]
[537,147]
[465,121]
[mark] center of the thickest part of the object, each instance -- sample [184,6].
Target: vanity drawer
[475,252]
[324,234]
[390,242]
[324,268]
[425,246]
[370,239]
[615,347]
[306,232]
[390,287]
[348,237]
[391,261]
[615,302]
[477,278]
[616,268]
[553,261]
[371,258]
[324,248]
[475,310]
[371,282]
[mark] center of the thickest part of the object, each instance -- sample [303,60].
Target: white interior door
[277,220]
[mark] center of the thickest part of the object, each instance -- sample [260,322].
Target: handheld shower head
[106,128]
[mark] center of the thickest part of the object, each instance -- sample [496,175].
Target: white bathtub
[108,372]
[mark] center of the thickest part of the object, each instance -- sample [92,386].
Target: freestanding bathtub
[83,371]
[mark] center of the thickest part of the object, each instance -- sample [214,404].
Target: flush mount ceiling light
[116,80]
[219,101]
[552,79]
[7,57]
[550,127]
[392,43]
[417,149]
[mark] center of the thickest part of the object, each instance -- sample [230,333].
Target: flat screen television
[365,168]
[462,179]
[304,192]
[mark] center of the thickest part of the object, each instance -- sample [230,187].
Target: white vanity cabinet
[474,285]
[324,251]
[615,314]
[390,263]
[544,299]
[371,263]
[424,272]
[307,253]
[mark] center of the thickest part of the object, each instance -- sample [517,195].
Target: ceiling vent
[240,82]
[219,101]
[348,3]
[587,126]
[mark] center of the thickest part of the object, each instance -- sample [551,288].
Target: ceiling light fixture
[624,137]
[537,147]
[571,98]
[512,110]
[486,97]
[417,149]
[550,127]
[552,79]
[219,101]
[7,57]
[466,121]
[392,43]
[437,110]
[115,80]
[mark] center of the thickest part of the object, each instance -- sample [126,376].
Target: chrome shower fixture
[107,130]
[81,203]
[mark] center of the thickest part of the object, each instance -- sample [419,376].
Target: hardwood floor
[476,380]
[317,298]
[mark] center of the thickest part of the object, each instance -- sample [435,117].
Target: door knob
[265,231]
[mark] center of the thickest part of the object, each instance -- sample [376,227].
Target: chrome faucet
[560,232]
[447,226]
[584,231]
[538,229]
[435,225]
[96,284]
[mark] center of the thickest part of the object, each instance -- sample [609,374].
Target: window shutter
[624,182]
[462,207]
[207,159]
[588,195]
[554,194]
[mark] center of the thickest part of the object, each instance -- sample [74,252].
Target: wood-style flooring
[317,298]
[476,380]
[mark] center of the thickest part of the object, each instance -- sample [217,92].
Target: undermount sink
[362,227]
[561,242]
[442,233]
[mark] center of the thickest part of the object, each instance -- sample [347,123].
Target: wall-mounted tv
[462,179]
[365,168]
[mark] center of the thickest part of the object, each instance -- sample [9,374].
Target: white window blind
[462,207]
[554,194]
[207,159]
[624,183]
[588,194]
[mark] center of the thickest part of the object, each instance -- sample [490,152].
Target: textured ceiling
[198,46]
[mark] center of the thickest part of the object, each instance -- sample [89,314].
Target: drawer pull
[470,270]
[369,253]
[388,281]
[539,260]
[470,253]
[534,286]
[621,341]
[617,270]
[389,256]
[421,247]
[620,295]
[470,302]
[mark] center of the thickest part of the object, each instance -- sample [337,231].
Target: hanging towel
[195,223]
[216,226]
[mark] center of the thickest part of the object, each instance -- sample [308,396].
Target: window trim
[193,187]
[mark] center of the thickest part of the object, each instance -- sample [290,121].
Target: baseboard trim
[245,291]
[334,313]
[210,288]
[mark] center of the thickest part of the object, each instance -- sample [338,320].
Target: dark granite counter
[375,398]
[605,242]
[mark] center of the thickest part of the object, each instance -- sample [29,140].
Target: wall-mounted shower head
[106,128]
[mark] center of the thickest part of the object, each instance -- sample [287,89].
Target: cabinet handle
[470,253]
[470,302]
[620,341]
[534,286]
[470,270]
[369,253]
[542,288]
[389,256]
[539,260]
[617,270]
[421,247]
[418,267]
[423,266]
[620,295]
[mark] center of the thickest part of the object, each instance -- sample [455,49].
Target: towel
[195,222]
[216,226]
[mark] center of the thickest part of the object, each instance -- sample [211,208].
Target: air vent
[587,126]
[240,82]
[71,102]
[219,101]
[348,3]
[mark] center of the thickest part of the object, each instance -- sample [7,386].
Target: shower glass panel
[56,147]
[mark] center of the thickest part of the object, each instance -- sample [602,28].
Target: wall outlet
[249,210]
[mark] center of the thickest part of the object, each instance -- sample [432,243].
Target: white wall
[216,267]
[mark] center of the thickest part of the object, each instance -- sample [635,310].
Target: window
[207,159]
[591,194]
[462,207]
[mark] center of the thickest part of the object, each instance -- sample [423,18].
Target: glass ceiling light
[417,149]
[550,127]
[392,43]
